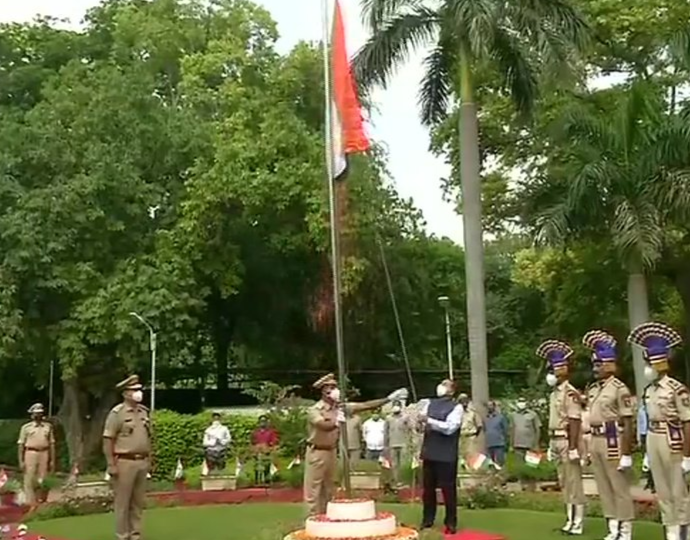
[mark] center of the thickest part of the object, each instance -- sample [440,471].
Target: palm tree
[520,40]
[618,168]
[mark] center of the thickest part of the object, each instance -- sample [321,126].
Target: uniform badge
[685,399]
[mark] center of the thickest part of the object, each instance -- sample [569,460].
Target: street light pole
[445,304]
[152,347]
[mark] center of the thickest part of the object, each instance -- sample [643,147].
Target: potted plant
[8,492]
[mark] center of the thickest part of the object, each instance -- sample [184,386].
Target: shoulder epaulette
[677,385]
[117,408]
[618,383]
[144,407]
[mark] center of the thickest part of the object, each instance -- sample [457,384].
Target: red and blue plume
[602,344]
[555,352]
[657,339]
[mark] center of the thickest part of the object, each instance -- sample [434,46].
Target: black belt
[320,447]
[132,457]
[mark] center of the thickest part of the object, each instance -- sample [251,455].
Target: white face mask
[521,405]
[334,394]
[441,390]
[216,423]
[551,379]
[396,409]
[138,396]
[650,373]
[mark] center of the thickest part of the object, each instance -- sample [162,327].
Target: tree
[518,40]
[613,177]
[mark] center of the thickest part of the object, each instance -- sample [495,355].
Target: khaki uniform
[397,439]
[668,407]
[470,433]
[37,439]
[130,430]
[609,402]
[321,457]
[565,405]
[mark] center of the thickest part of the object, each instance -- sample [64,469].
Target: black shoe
[426,526]
[450,530]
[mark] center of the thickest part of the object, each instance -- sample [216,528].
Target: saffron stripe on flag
[348,134]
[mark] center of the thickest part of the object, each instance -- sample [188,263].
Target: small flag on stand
[75,470]
[3,477]
[179,470]
[385,462]
[204,468]
[533,459]
[273,470]
[415,462]
[238,467]
[481,461]
[295,462]
[106,476]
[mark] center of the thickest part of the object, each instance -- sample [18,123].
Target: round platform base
[403,533]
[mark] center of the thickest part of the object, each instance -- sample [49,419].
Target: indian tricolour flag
[533,459]
[347,127]
[480,461]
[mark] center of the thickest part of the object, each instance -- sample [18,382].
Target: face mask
[137,396]
[650,373]
[216,423]
[441,390]
[396,410]
[521,405]
[551,379]
[334,394]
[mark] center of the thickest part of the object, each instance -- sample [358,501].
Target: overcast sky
[416,173]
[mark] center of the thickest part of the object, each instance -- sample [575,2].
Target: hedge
[177,436]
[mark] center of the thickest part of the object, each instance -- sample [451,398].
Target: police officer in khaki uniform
[36,447]
[324,421]
[470,430]
[565,417]
[668,436]
[611,423]
[127,445]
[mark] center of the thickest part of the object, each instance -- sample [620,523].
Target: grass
[272,521]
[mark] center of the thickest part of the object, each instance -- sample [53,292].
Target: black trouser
[440,474]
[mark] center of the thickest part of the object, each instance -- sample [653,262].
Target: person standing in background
[471,429]
[565,418]
[642,427]
[264,444]
[525,427]
[127,447]
[496,434]
[354,438]
[374,435]
[36,447]
[397,437]
[440,421]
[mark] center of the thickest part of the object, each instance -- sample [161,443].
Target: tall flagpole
[335,238]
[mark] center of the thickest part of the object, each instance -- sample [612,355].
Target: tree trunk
[638,313]
[472,233]
[83,422]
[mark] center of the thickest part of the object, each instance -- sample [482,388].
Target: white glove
[645,463]
[573,455]
[398,395]
[685,465]
[341,416]
[625,463]
[549,455]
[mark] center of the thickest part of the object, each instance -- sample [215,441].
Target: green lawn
[272,521]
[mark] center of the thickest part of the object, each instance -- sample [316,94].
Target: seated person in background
[264,443]
[374,435]
[216,441]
